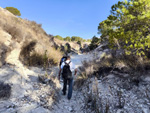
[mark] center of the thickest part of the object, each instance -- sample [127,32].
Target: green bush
[94,43]
[67,48]
[67,39]
[128,27]
[59,37]
[76,38]
[79,42]
[89,40]
[14,11]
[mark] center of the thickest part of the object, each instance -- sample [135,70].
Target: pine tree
[128,26]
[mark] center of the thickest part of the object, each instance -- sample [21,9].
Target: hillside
[24,44]
[108,80]
[71,46]
[22,39]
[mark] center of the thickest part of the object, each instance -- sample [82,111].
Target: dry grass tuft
[46,58]
[134,66]
[16,33]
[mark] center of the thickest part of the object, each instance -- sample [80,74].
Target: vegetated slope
[115,82]
[70,46]
[24,40]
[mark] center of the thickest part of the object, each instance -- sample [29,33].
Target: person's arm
[59,73]
[60,68]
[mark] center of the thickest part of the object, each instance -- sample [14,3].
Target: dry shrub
[15,32]
[123,64]
[5,90]
[133,65]
[26,51]
[36,60]
[80,80]
[44,60]
[4,51]
[37,28]
[54,55]
[29,56]
[85,72]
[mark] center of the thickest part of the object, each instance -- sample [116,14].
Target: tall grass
[45,58]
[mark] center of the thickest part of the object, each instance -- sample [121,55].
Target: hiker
[68,71]
[61,61]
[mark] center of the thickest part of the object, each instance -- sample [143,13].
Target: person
[61,61]
[67,76]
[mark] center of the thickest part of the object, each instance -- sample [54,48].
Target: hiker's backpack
[63,59]
[66,71]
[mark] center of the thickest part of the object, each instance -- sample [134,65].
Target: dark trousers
[70,83]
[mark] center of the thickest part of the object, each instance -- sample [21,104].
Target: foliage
[94,43]
[67,39]
[128,26]
[45,58]
[58,37]
[89,40]
[67,48]
[76,38]
[79,42]
[73,38]
[14,11]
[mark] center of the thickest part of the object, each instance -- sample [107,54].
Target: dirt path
[28,95]
[76,104]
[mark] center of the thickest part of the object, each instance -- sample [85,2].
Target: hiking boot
[69,98]
[64,93]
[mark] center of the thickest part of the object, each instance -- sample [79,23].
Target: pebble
[145,110]
[43,96]
[70,109]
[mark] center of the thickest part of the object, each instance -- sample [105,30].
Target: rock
[120,111]
[70,109]
[146,79]
[27,108]
[10,110]
[43,96]
[47,80]
[40,110]
[145,110]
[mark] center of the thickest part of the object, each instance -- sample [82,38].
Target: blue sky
[64,17]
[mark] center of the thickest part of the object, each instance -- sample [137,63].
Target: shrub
[37,27]
[79,42]
[76,38]
[89,40]
[58,37]
[14,11]
[15,32]
[94,43]
[31,57]
[126,27]
[134,66]
[5,90]
[68,47]
[67,39]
